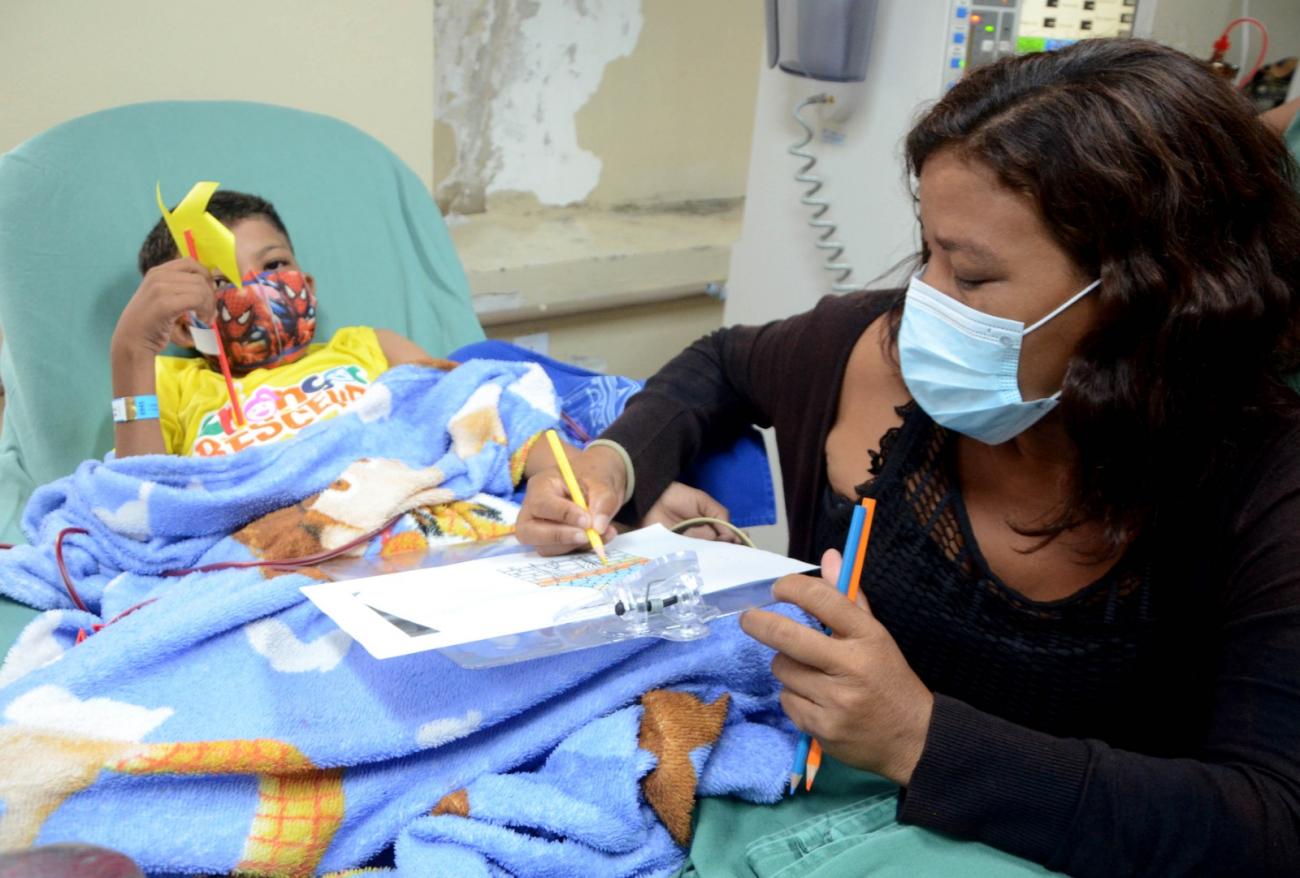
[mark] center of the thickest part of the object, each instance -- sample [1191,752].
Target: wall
[1194,25]
[604,102]
[593,154]
[775,269]
[366,63]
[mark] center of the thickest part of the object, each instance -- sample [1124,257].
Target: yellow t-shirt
[278,403]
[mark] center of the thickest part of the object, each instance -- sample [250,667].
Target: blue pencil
[800,764]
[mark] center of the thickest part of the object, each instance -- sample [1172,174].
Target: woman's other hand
[550,521]
[853,691]
[680,503]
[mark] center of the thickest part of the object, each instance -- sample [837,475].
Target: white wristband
[627,464]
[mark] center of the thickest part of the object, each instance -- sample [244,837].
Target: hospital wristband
[135,408]
[627,464]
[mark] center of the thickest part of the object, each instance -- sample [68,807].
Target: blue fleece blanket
[221,723]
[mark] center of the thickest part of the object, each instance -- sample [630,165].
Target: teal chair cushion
[76,202]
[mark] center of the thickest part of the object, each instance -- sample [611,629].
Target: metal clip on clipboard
[662,599]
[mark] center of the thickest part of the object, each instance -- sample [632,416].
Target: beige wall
[601,103]
[634,341]
[673,120]
[369,63]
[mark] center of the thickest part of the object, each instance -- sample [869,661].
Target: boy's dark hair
[227,206]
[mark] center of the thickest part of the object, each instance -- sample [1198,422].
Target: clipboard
[514,605]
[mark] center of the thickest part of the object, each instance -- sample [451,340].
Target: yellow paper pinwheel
[207,241]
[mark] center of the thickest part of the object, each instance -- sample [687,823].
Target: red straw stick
[221,349]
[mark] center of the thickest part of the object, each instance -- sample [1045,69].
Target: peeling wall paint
[511,76]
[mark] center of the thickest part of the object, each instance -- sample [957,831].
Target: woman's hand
[680,503]
[854,692]
[550,521]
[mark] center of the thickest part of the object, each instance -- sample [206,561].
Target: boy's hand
[167,292]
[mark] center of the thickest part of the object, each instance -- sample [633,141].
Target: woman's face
[990,249]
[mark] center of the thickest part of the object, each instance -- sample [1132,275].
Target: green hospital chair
[77,200]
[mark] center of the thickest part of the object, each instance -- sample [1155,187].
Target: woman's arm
[786,373]
[783,373]
[717,386]
[701,390]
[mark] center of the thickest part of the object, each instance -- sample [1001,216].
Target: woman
[1080,639]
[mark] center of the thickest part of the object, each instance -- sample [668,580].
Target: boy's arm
[400,350]
[1279,118]
[150,320]
[133,375]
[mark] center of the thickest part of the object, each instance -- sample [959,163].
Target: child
[285,383]
[180,405]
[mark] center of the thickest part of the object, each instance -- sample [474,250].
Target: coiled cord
[826,229]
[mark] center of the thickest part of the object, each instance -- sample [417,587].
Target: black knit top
[1148,724]
[1062,666]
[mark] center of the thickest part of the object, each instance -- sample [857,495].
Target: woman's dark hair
[1154,175]
[228,206]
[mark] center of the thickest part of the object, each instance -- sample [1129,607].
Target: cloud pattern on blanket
[276,642]
[132,517]
[229,696]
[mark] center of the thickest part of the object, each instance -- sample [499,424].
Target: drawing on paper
[584,570]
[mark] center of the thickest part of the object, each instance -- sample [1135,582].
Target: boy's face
[271,320]
[259,247]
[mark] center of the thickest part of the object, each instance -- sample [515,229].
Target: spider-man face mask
[267,322]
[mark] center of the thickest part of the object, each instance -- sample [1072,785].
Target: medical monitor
[981,31]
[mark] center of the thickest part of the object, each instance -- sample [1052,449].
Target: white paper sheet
[495,597]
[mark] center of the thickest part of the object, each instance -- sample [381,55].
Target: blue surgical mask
[961,365]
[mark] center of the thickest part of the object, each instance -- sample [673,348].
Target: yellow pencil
[571,482]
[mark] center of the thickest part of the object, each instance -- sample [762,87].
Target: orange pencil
[855,583]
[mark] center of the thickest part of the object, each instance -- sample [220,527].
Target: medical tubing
[63,567]
[287,563]
[826,229]
[689,523]
[1221,45]
[291,563]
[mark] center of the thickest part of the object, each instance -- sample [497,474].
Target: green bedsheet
[844,828]
[13,618]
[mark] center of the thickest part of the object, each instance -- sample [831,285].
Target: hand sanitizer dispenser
[826,40]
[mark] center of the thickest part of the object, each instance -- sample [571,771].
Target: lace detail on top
[1053,665]
[886,443]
